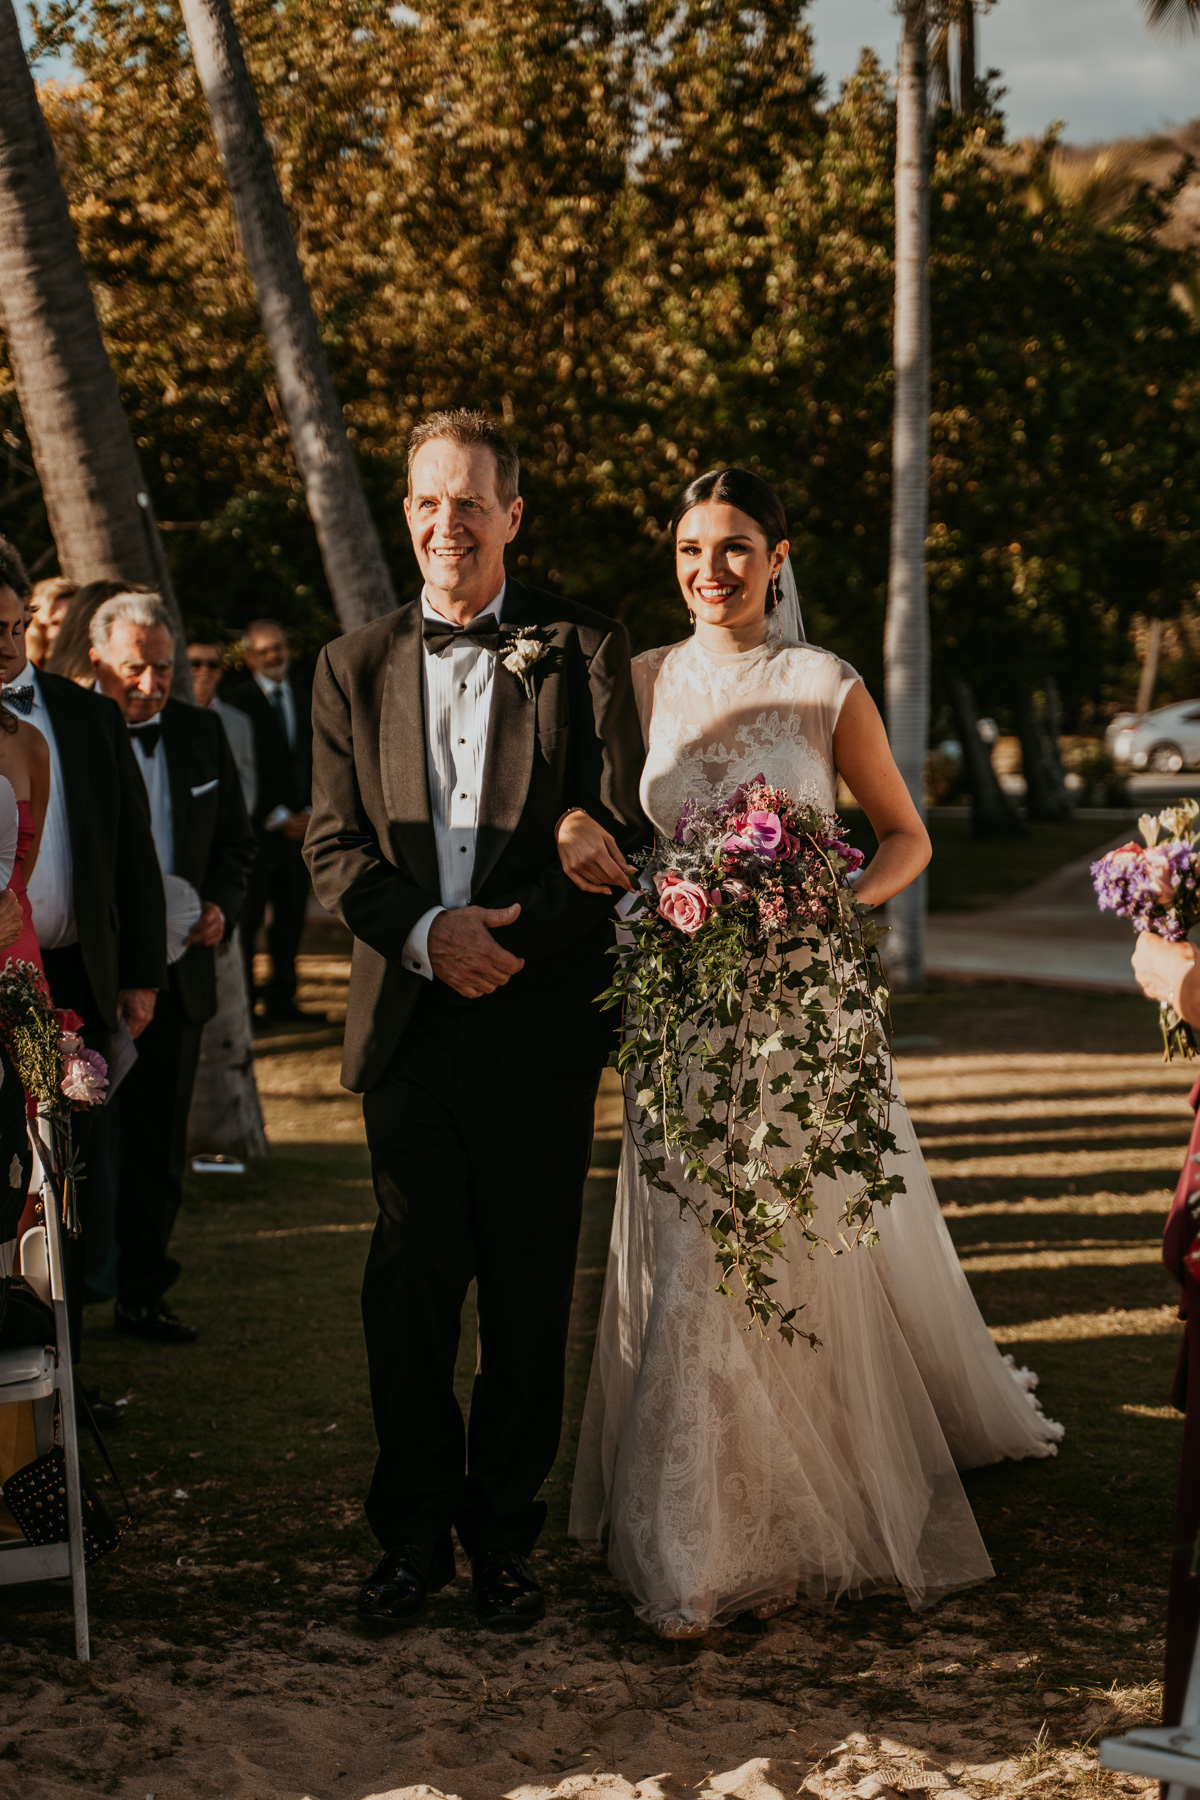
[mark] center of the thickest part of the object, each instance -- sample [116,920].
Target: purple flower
[756,834]
[84,1077]
[1143,885]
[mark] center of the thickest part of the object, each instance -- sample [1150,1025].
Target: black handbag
[36,1496]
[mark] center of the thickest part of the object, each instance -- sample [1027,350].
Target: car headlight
[1123,743]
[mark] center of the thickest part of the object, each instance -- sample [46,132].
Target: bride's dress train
[730,1469]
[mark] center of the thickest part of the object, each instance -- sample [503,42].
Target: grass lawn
[227,1661]
[968,874]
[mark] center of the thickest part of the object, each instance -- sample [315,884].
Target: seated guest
[1171,972]
[202,833]
[96,898]
[280,710]
[47,606]
[208,667]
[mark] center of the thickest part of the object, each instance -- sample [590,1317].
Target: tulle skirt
[730,1469]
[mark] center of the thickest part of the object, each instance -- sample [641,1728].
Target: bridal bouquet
[753,988]
[57,1070]
[1156,885]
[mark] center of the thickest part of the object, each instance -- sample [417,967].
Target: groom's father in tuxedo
[449,740]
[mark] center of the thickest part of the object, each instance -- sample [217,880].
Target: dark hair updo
[736,487]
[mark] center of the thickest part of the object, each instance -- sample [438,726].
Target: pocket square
[206,787]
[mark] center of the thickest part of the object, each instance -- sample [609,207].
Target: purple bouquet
[1156,885]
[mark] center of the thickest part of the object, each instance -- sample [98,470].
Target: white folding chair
[1167,1753]
[45,1377]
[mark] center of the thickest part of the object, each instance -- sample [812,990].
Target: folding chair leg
[83,1647]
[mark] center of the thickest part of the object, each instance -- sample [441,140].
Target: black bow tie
[483,633]
[20,699]
[147,736]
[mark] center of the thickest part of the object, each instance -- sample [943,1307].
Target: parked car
[1161,742]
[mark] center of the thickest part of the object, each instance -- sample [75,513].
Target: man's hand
[295,827]
[11,919]
[464,954]
[209,927]
[136,1007]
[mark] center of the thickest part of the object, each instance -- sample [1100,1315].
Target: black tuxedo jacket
[372,853]
[214,840]
[284,774]
[118,893]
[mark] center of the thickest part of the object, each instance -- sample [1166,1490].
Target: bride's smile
[725,569]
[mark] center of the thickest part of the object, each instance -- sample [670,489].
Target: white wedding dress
[730,1469]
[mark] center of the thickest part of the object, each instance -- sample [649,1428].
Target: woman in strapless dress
[25,763]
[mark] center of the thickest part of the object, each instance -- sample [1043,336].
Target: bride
[730,1470]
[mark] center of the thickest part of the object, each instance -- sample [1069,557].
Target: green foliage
[652,245]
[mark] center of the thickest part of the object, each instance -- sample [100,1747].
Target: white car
[1161,742]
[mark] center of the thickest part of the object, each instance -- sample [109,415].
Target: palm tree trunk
[906,636]
[1047,796]
[355,568]
[966,56]
[96,499]
[992,812]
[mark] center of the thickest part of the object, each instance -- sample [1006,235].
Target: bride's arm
[865,763]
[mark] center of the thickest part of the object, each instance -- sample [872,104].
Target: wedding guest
[202,833]
[70,656]
[96,898]
[208,668]
[280,709]
[1171,972]
[47,606]
[25,764]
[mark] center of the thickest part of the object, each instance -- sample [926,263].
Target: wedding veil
[791,625]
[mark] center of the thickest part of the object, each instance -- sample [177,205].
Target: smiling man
[448,741]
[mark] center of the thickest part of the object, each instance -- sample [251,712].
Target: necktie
[147,736]
[483,632]
[280,706]
[20,699]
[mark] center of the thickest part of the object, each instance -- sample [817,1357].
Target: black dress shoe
[402,1583]
[156,1322]
[507,1596]
[105,1416]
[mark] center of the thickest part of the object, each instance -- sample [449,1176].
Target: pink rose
[68,1021]
[1158,867]
[684,904]
[756,834]
[84,1077]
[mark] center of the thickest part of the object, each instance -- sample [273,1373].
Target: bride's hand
[590,856]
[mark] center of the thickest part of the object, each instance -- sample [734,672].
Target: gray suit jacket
[240,733]
[371,850]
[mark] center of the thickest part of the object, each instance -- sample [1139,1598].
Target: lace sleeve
[645,674]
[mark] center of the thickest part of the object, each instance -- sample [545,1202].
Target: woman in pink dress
[25,764]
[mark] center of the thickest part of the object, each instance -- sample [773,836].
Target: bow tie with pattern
[483,633]
[147,736]
[20,699]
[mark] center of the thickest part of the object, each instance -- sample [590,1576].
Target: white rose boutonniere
[524,653]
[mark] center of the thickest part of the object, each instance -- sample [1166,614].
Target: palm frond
[1177,17]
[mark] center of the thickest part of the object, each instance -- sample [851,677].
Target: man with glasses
[208,668]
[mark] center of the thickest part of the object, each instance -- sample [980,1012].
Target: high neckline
[728,657]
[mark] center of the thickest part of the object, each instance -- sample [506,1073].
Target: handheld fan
[10,825]
[184,907]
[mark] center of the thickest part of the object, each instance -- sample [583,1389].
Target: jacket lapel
[71,741]
[508,758]
[402,765]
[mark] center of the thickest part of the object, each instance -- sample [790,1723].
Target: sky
[1091,63]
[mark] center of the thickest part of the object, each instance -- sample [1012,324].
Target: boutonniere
[527,649]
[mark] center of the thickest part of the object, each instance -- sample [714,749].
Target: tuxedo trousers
[279,879]
[479,1159]
[153,1103]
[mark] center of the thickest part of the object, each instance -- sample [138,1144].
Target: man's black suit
[120,919]
[213,849]
[478,1112]
[279,877]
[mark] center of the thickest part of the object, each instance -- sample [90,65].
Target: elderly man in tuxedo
[202,833]
[279,707]
[445,754]
[97,899]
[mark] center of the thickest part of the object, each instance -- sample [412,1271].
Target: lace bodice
[712,721]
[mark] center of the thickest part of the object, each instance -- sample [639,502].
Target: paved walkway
[1051,932]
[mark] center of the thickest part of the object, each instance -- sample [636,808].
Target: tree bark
[96,499]
[225,1115]
[966,56]
[906,636]
[1047,795]
[992,811]
[355,568]
[1148,679]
